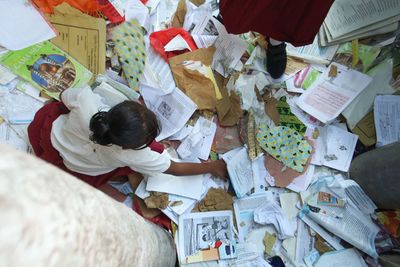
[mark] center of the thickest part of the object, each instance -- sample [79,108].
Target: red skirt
[295,22]
[39,132]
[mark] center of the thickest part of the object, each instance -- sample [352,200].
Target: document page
[173,110]
[22,25]
[244,212]
[387,119]
[80,35]
[329,96]
[340,145]
[240,172]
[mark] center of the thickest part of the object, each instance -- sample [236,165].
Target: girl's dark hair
[128,124]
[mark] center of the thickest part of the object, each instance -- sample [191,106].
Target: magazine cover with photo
[47,67]
[206,236]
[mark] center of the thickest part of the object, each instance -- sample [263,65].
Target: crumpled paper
[271,213]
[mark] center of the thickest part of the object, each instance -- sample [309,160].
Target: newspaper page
[347,16]
[173,110]
[244,212]
[206,236]
[387,119]
[357,197]
[329,96]
[345,221]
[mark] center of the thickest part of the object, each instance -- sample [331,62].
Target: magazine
[47,67]
[206,236]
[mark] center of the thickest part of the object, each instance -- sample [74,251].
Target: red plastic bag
[159,39]
[111,13]
[90,7]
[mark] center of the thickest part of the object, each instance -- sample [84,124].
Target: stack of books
[356,19]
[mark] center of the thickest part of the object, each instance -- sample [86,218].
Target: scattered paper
[10,137]
[240,171]
[22,25]
[187,186]
[346,257]
[328,97]
[173,110]
[340,146]
[244,212]
[198,143]
[177,43]
[346,222]
[157,73]
[199,87]
[362,104]
[271,213]
[387,119]
[313,52]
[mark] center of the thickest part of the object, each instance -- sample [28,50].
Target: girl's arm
[216,168]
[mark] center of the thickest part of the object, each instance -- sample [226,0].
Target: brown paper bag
[194,84]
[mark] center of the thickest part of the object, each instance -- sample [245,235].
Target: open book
[348,20]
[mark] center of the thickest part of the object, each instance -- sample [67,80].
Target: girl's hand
[219,169]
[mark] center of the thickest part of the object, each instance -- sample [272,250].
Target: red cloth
[39,136]
[295,22]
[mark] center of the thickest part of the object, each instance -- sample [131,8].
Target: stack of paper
[348,20]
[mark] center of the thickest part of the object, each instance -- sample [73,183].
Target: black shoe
[276,60]
[276,261]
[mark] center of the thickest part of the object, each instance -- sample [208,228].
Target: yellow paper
[269,242]
[365,129]
[354,48]
[80,35]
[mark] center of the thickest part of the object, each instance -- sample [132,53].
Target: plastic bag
[91,6]
[159,39]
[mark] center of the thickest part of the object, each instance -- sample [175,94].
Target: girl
[84,137]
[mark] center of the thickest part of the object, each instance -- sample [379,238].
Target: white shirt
[70,136]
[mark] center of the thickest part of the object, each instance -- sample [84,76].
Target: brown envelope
[228,108]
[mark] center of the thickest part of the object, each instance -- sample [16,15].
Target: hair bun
[100,128]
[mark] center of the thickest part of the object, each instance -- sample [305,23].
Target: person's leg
[276,58]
